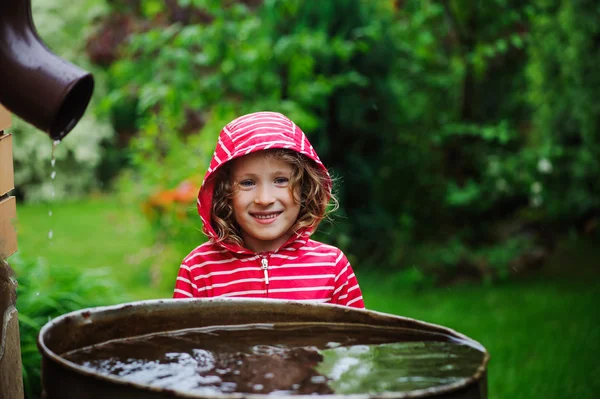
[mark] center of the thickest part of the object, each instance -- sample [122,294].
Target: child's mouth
[265,217]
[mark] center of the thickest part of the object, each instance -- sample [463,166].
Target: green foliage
[63,26]
[453,127]
[47,291]
[216,71]
[162,161]
[97,233]
[563,90]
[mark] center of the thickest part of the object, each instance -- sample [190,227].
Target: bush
[47,291]
[213,71]
[451,126]
[564,96]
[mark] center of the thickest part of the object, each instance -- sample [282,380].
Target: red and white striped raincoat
[301,269]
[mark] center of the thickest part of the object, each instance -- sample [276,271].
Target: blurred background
[464,136]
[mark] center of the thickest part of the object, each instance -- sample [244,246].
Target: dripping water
[55,143]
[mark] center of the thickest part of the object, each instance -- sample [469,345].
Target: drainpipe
[35,84]
[52,95]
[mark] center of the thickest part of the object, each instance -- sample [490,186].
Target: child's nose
[264,196]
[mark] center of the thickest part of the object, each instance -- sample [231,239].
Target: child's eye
[282,180]
[246,183]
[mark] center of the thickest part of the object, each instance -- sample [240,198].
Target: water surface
[288,358]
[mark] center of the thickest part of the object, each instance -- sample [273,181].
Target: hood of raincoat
[242,136]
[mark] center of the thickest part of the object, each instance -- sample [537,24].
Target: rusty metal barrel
[62,378]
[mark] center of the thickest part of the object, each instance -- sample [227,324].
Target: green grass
[98,233]
[542,331]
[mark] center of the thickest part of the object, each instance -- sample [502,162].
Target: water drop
[52,176]
[257,387]
[37,294]
[268,376]
[54,144]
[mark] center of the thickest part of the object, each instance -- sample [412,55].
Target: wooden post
[11,378]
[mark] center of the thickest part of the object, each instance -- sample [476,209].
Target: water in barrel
[286,358]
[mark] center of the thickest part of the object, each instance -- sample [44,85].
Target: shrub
[448,123]
[564,97]
[47,291]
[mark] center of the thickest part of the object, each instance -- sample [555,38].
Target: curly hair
[316,200]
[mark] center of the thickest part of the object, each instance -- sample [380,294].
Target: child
[263,195]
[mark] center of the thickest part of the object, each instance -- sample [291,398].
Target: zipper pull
[265,265]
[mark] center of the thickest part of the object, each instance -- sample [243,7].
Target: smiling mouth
[265,216]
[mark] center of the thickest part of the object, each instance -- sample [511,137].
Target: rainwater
[55,143]
[286,358]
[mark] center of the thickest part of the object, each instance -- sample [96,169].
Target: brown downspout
[52,95]
[35,84]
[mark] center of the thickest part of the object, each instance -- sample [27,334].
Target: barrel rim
[84,314]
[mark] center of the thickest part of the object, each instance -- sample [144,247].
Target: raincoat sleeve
[346,291]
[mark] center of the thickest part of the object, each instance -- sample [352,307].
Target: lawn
[543,335]
[542,331]
[99,233]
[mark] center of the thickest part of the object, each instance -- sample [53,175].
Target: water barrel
[62,378]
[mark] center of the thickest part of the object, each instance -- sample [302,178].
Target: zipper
[265,266]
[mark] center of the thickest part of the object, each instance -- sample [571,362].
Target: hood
[245,135]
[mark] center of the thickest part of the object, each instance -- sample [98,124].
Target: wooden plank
[7,178]
[8,232]
[5,121]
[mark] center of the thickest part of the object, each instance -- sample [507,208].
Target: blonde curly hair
[316,200]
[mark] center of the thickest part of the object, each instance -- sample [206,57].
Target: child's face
[263,204]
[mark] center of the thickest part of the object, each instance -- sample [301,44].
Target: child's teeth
[265,216]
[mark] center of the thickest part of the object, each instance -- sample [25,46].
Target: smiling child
[264,194]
